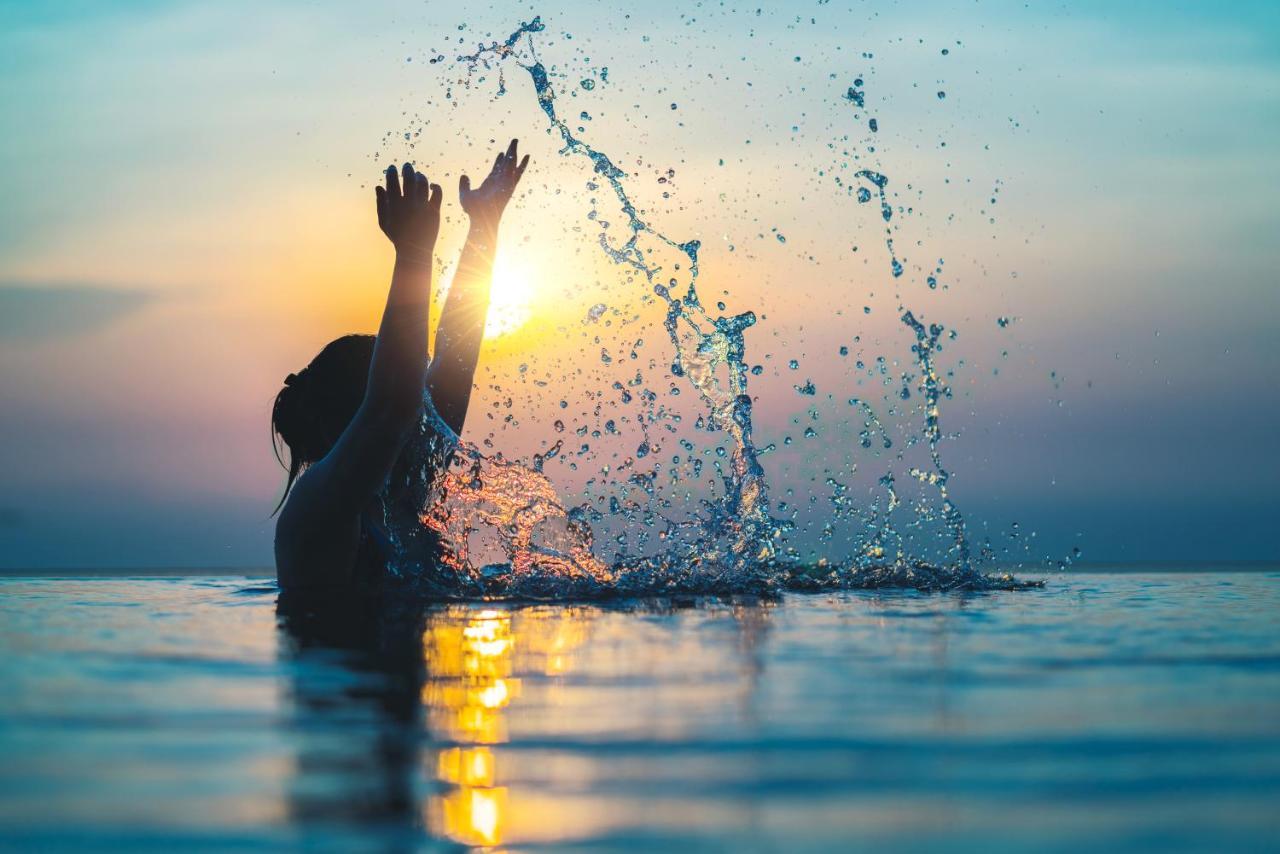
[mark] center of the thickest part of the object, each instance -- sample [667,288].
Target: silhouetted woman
[346,417]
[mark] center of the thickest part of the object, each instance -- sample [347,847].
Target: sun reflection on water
[470,659]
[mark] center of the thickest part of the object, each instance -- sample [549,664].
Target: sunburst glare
[511,297]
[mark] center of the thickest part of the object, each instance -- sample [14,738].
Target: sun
[510,298]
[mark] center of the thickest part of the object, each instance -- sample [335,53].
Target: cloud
[63,310]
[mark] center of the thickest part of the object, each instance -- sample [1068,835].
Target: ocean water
[1104,711]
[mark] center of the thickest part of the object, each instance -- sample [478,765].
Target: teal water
[1108,711]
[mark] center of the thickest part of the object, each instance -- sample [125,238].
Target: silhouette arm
[461,329]
[452,373]
[319,529]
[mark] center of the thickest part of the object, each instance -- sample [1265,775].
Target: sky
[186,217]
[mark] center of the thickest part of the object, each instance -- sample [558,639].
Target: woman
[346,416]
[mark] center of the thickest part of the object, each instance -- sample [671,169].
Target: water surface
[1107,710]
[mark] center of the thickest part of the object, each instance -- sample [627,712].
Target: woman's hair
[317,403]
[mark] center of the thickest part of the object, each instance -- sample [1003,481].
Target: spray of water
[481,503]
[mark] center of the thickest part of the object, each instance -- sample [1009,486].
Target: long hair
[317,403]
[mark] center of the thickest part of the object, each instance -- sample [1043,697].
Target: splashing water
[487,505]
[932,386]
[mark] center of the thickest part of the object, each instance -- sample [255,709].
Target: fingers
[464,186]
[436,197]
[393,185]
[422,188]
[520,169]
[381,193]
[511,150]
[407,178]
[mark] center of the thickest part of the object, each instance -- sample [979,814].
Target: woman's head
[317,403]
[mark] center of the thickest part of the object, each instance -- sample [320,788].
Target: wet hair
[317,403]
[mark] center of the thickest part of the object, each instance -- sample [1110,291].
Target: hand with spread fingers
[409,212]
[486,203]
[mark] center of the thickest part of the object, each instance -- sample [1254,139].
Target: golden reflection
[472,658]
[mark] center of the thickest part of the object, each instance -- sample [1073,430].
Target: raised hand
[409,215]
[486,203]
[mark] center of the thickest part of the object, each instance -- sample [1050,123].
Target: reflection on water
[358,722]
[486,726]
[469,683]
[1103,712]
[437,691]
[471,656]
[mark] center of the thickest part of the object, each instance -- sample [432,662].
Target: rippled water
[1105,710]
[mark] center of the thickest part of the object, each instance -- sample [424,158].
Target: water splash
[880,182]
[737,531]
[927,344]
[483,506]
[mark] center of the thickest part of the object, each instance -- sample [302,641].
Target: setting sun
[509,299]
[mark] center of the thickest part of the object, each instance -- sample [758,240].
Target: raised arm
[410,217]
[319,529]
[462,319]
